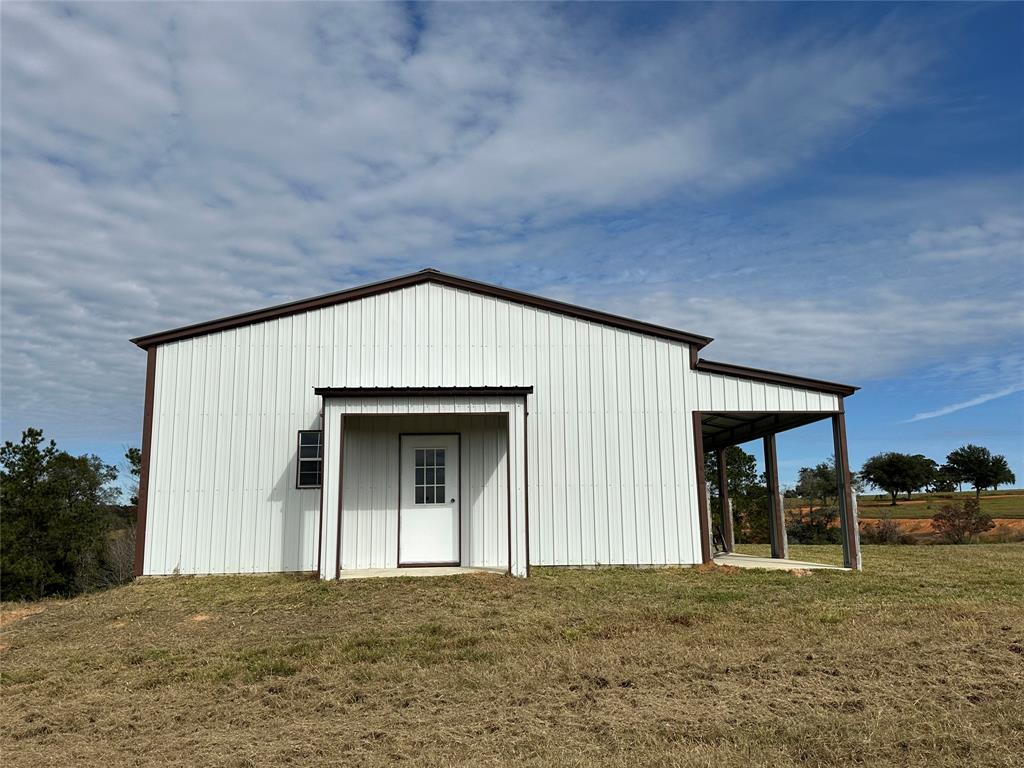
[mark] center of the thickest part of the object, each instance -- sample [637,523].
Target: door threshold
[426,571]
[455,564]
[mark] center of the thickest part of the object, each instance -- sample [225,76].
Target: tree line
[816,486]
[65,530]
[897,473]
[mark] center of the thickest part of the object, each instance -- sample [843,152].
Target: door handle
[452,501]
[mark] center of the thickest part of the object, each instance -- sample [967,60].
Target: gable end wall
[611,469]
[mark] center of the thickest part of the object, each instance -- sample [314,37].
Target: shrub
[820,526]
[1002,534]
[886,531]
[109,565]
[960,523]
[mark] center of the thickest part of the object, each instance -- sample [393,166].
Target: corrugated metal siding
[611,477]
[222,493]
[370,498]
[716,392]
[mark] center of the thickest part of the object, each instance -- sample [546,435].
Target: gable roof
[696,341]
[416,278]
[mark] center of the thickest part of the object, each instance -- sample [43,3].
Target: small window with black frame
[310,472]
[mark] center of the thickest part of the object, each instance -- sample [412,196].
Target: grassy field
[999,504]
[918,661]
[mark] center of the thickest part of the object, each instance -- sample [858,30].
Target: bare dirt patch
[911,525]
[919,529]
[14,613]
[718,568]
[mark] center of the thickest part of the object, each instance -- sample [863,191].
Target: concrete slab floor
[737,560]
[390,573]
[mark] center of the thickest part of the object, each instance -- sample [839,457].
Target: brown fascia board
[424,276]
[772,377]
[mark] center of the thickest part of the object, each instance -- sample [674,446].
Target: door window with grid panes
[429,477]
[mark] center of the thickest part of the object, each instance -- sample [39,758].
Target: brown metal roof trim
[424,276]
[773,377]
[420,391]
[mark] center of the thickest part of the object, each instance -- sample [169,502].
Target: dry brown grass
[918,661]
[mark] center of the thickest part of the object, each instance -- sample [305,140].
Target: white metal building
[431,419]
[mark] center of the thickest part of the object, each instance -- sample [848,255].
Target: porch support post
[776,510]
[703,511]
[519,461]
[341,497]
[723,496]
[844,487]
[329,542]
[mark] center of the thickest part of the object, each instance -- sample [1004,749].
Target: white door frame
[338,402]
[458,499]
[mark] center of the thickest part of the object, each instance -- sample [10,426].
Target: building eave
[772,377]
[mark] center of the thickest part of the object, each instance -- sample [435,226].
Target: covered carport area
[739,405]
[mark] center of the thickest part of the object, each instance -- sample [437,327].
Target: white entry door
[428,524]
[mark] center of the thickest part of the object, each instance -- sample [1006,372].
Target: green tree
[134,458]
[748,493]
[959,523]
[922,473]
[897,473]
[740,470]
[816,524]
[818,482]
[945,480]
[1002,475]
[978,466]
[56,515]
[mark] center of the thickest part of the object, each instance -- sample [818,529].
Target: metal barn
[434,420]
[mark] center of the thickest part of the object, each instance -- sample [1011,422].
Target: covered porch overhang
[721,430]
[717,429]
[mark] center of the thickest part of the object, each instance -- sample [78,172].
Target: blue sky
[832,190]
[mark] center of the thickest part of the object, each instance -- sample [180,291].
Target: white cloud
[166,164]
[998,236]
[879,334]
[841,290]
[948,409]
